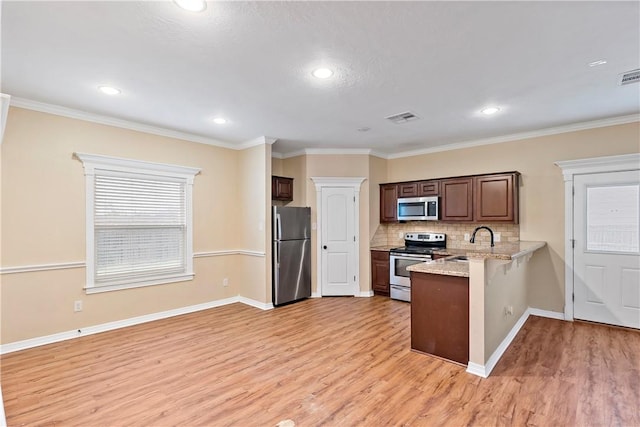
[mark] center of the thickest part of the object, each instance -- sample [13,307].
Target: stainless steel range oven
[418,248]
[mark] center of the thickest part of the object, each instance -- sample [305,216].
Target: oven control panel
[424,237]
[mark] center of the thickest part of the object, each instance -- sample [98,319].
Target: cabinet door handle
[324,247]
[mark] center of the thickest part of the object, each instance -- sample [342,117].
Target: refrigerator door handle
[276,272]
[278,227]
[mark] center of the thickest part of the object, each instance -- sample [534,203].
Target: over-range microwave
[418,209]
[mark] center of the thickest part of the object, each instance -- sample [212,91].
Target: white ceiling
[251,62]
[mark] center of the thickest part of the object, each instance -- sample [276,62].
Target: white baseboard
[365,294]
[362,294]
[475,369]
[256,304]
[484,370]
[90,330]
[546,313]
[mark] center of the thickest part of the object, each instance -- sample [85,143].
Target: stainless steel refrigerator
[291,254]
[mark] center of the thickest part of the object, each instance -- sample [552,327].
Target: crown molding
[337,151]
[593,124]
[329,151]
[261,140]
[289,154]
[7,100]
[523,135]
[119,123]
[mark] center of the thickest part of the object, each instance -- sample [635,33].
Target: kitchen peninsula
[496,297]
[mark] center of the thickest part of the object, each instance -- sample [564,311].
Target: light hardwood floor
[329,361]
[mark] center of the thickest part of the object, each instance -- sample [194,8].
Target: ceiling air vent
[405,117]
[629,77]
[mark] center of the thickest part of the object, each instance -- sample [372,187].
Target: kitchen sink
[459,258]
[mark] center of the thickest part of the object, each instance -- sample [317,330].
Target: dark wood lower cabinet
[440,316]
[380,272]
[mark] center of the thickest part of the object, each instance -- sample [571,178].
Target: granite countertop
[442,266]
[503,251]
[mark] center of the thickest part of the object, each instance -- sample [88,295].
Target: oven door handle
[425,259]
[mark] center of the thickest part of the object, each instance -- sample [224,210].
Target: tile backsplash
[393,234]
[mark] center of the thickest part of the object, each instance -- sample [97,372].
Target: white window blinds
[139,225]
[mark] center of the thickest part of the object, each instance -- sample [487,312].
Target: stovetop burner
[421,243]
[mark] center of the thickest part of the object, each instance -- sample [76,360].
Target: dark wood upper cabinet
[496,198]
[474,198]
[457,199]
[409,189]
[428,188]
[388,203]
[281,188]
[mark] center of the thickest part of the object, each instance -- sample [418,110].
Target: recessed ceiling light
[490,110]
[596,63]
[322,73]
[109,90]
[192,5]
[219,120]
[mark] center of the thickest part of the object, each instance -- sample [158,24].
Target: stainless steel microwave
[418,209]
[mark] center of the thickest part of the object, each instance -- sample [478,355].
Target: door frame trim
[337,182]
[571,168]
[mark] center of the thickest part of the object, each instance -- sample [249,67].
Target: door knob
[324,247]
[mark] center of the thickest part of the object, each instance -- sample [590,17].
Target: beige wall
[276,166]
[377,176]
[252,205]
[296,168]
[541,190]
[505,286]
[43,216]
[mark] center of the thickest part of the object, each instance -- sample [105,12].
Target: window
[138,223]
[613,218]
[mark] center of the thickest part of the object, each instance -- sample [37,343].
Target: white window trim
[91,162]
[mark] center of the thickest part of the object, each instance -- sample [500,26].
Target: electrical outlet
[496,237]
[77,305]
[225,282]
[508,310]
[467,237]
[400,234]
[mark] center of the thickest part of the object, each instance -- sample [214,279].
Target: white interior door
[338,241]
[607,248]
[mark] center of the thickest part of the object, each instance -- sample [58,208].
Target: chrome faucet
[473,236]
